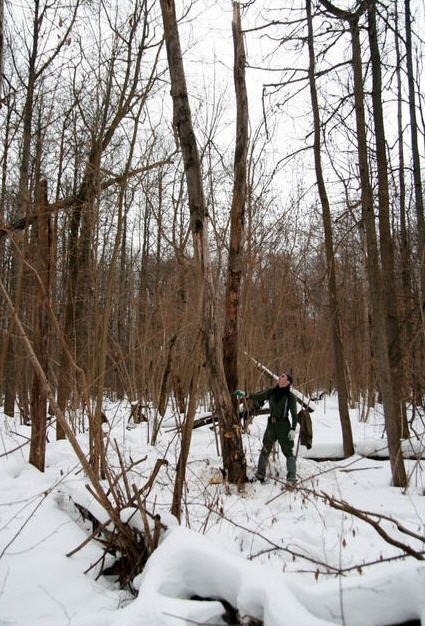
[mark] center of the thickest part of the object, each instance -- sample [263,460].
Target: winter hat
[288,376]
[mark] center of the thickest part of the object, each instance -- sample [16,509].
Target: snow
[280,556]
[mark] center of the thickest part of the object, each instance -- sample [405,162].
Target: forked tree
[231,440]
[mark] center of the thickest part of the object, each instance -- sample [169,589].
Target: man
[279,427]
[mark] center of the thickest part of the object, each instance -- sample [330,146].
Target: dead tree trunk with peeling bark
[230,430]
[237,215]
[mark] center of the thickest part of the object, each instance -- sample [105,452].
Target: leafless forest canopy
[98,257]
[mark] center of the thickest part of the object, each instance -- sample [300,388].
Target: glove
[291,435]
[239,393]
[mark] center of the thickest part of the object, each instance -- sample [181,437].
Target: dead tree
[235,263]
[230,430]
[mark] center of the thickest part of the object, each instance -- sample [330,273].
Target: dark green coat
[278,404]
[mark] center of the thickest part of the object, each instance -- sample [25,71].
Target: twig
[20,529]
[366,516]
[123,470]
[15,449]
[43,495]
[142,509]
[87,540]
[275,545]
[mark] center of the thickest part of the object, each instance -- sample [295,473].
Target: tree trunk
[338,348]
[237,215]
[385,237]
[386,385]
[1,49]
[417,181]
[405,252]
[163,392]
[42,248]
[23,208]
[66,372]
[186,435]
[233,454]
[375,281]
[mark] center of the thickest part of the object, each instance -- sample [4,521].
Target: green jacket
[279,409]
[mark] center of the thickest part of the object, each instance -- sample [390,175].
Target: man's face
[283,381]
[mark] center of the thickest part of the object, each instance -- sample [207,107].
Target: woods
[155,226]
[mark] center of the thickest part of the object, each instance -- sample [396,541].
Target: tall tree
[42,247]
[416,160]
[37,64]
[230,430]
[237,211]
[115,99]
[405,252]
[375,280]
[335,318]
[386,244]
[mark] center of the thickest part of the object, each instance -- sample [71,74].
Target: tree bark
[1,50]
[166,374]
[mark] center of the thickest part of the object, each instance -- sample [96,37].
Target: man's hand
[291,435]
[239,393]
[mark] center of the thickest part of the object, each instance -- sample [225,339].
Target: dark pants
[277,431]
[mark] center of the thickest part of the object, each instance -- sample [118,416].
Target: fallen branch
[367,516]
[275,546]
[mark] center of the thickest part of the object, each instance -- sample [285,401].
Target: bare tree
[386,244]
[375,280]
[233,454]
[237,212]
[42,246]
[407,317]
[37,68]
[417,179]
[338,348]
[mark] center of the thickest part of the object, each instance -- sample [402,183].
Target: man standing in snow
[279,427]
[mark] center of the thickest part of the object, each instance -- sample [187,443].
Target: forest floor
[334,550]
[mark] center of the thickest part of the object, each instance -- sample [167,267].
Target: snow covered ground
[280,556]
